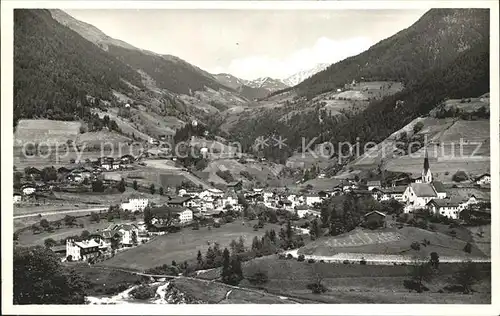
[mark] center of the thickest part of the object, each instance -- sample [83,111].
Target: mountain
[240,86]
[55,69]
[443,55]
[437,38]
[300,76]
[267,83]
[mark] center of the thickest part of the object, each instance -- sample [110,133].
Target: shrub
[317,288]
[311,261]
[363,261]
[415,245]
[289,256]
[468,247]
[346,261]
[301,258]
[143,292]
[258,278]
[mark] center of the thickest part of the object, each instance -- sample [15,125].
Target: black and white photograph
[273,153]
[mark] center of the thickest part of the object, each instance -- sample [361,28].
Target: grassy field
[389,241]
[183,245]
[27,238]
[353,283]
[48,131]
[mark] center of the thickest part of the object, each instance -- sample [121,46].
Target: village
[188,207]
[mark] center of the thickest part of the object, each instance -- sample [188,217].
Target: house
[483,179]
[376,217]
[17,198]
[129,233]
[127,159]
[312,199]
[267,196]
[417,195]
[448,207]
[304,210]
[376,184]
[179,201]
[194,193]
[32,173]
[135,204]
[59,250]
[168,215]
[235,185]
[82,250]
[28,189]
[440,189]
[385,194]
[185,216]
[229,199]
[211,193]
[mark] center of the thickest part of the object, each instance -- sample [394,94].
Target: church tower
[426,172]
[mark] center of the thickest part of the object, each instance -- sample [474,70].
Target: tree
[44,224]
[226,267]
[460,176]
[467,275]
[468,247]
[259,277]
[134,237]
[69,220]
[434,260]
[418,127]
[256,244]
[210,257]
[49,243]
[236,271]
[94,217]
[97,186]
[420,271]
[121,186]
[315,230]
[240,246]
[152,188]
[199,259]
[160,191]
[148,216]
[39,278]
[135,185]
[85,235]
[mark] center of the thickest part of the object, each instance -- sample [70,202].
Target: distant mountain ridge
[266,83]
[302,75]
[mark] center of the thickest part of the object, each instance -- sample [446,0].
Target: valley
[152,181]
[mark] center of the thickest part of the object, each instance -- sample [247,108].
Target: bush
[301,258]
[346,261]
[363,261]
[468,247]
[143,292]
[415,245]
[289,256]
[317,288]
[258,278]
[311,261]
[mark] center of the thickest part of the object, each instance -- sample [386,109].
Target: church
[423,190]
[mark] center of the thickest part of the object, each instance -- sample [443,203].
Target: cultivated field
[183,245]
[46,131]
[390,241]
[354,283]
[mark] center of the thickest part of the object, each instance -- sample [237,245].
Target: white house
[448,208]
[417,195]
[17,198]
[310,200]
[28,189]
[82,250]
[135,204]
[373,184]
[185,216]
[211,193]
[127,232]
[229,200]
[483,179]
[267,196]
[304,210]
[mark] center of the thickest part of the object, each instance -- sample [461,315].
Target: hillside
[55,69]
[240,86]
[436,39]
[466,75]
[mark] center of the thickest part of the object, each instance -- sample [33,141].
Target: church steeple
[426,172]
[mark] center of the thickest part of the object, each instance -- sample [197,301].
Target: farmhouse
[304,210]
[17,198]
[311,199]
[229,199]
[373,185]
[179,201]
[375,218]
[135,204]
[128,233]
[82,250]
[28,189]
[448,208]
[235,185]
[483,179]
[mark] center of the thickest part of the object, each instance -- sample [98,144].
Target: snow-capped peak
[300,76]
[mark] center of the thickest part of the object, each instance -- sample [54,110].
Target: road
[51,212]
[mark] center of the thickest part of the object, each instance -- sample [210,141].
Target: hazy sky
[252,43]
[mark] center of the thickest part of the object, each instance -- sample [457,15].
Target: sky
[251,43]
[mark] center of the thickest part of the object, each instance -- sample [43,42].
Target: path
[52,212]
